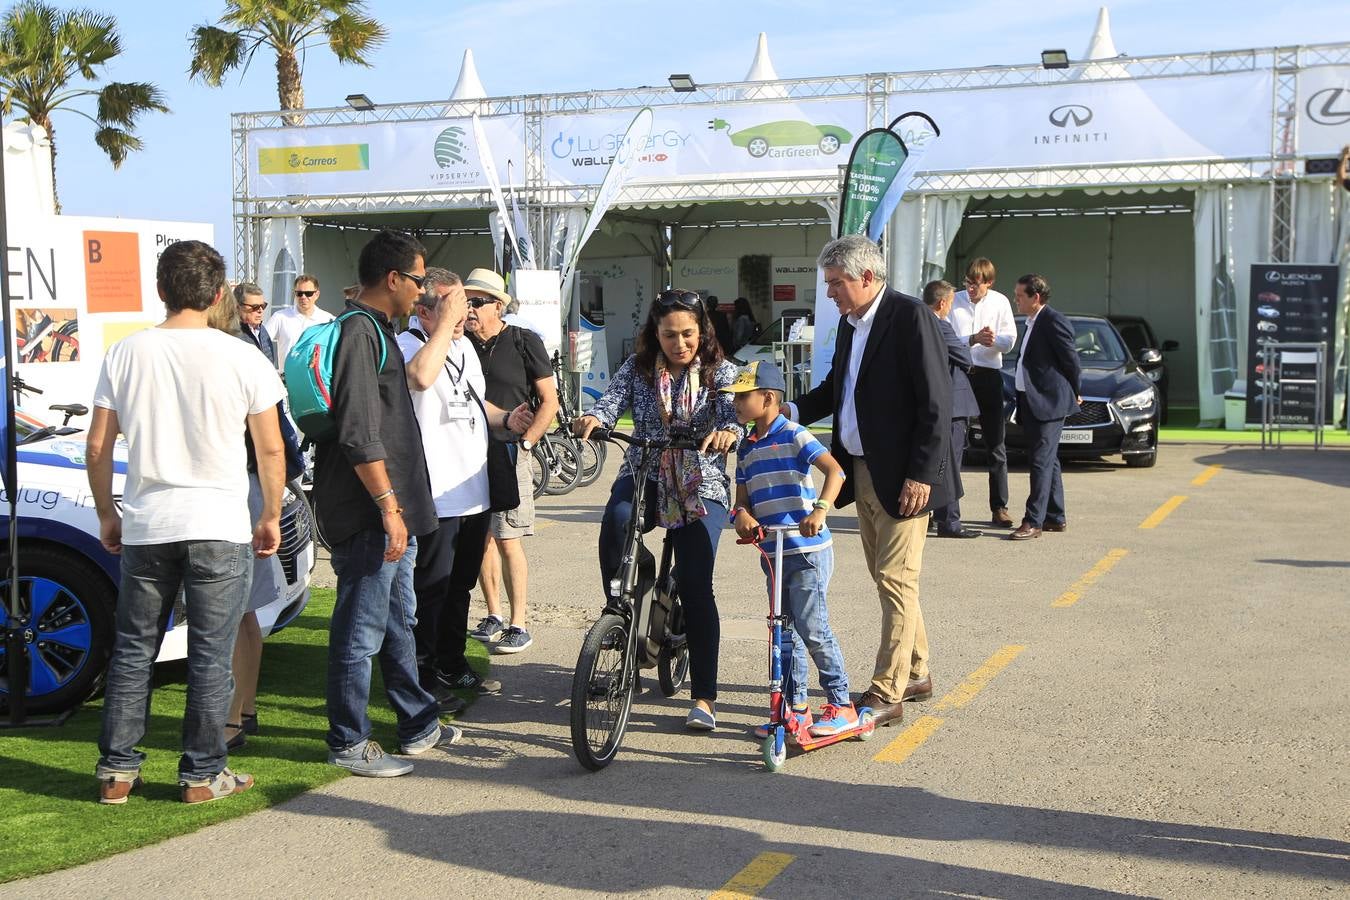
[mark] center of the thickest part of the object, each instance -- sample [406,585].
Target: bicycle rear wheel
[602,693]
[592,461]
[538,470]
[565,468]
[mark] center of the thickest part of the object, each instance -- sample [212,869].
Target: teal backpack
[309,375]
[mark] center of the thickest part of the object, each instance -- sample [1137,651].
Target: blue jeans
[375,613]
[695,552]
[215,578]
[806,578]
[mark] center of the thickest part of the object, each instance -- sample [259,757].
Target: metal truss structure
[1279,169]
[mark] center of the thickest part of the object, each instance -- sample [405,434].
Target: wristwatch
[526,444]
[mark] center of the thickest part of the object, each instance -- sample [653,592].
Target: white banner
[381,157]
[806,137]
[1323,110]
[1091,122]
[540,304]
[621,163]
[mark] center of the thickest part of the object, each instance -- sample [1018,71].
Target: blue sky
[541,46]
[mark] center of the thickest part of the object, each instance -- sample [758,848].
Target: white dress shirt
[993,311]
[1019,380]
[847,419]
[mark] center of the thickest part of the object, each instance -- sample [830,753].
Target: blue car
[68,582]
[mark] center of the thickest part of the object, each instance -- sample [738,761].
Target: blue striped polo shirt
[775,468]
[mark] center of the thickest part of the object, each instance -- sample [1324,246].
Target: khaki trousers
[894,552]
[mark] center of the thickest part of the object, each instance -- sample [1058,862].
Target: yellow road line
[1162,512]
[1090,577]
[1205,476]
[898,750]
[753,878]
[965,692]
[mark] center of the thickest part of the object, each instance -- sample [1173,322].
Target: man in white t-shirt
[286,324]
[446,383]
[984,318]
[181,394]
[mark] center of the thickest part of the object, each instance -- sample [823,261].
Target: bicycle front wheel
[565,464]
[538,470]
[592,462]
[602,693]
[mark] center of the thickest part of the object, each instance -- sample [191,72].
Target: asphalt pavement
[1153,703]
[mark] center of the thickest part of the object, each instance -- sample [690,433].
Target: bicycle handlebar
[618,437]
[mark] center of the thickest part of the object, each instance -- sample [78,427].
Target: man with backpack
[372,500]
[517,370]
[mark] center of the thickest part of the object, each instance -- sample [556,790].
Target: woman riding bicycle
[672,384]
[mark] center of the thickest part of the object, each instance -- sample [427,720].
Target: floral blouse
[713,410]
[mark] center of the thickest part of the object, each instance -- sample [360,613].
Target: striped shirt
[775,468]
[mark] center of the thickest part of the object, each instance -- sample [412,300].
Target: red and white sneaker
[834,719]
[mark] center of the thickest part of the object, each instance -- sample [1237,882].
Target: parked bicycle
[642,626]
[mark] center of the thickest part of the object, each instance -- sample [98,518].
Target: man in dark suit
[890,393]
[937,296]
[1048,374]
[252,308]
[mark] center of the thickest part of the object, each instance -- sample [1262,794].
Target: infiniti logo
[1330,106]
[1075,113]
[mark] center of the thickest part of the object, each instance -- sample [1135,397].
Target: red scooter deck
[862,731]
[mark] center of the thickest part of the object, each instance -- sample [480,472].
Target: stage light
[360,102]
[1054,59]
[682,84]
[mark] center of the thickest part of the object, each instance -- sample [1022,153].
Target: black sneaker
[447,701]
[488,630]
[469,681]
[513,640]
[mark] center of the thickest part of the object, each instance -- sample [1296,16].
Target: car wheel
[757,147]
[1142,460]
[71,604]
[829,144]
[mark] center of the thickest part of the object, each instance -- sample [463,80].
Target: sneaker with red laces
[798,723]
[834,719]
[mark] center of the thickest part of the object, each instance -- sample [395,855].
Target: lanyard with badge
[457,408]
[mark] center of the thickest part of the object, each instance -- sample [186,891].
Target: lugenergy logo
[600,150]
[313,160]
[697,270]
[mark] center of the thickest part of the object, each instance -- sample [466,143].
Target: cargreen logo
[450,148]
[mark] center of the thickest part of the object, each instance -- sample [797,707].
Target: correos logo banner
[1323,109]
[381,157]
[1095,122]
[329,158]
[802,138]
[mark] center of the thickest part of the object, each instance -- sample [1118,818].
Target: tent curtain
[1322,235]
[922,229]
[281,256]
[1231,232]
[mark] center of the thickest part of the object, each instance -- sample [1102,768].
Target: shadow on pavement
[1328,466]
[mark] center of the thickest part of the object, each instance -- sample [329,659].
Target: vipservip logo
[1070,121]
[451,152]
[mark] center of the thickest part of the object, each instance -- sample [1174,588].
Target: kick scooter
[783,727]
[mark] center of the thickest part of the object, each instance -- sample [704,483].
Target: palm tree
[289,27]
[43,51]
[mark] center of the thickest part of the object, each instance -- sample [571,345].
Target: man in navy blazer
[938,296]
[890,393]
[1047,380]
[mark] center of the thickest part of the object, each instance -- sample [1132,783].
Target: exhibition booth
[1141,186]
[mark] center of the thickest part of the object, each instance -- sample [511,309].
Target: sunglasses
[686,299]
[415,279]
[305,293]
[253,307]
[480,302]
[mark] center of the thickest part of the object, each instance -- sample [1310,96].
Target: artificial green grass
[1332,437]
[52,819]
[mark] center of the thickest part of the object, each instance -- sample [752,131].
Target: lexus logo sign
[1329,106]
[1070,114]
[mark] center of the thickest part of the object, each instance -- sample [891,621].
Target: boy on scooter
[773,487]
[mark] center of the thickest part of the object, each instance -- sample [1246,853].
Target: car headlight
[1141,400]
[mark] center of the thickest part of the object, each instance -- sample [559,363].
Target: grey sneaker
[204,790]
[469,681]
[370,760]
[489,627]
[441,738]
[513,640]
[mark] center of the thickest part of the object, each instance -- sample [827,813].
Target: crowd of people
[422,486]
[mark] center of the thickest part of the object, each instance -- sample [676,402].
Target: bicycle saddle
[75,409]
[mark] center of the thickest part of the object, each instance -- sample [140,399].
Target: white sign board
[381,157]
[540,303]
[718,277]
[801,137]
[1323,110]
[1094,122]
[78,285]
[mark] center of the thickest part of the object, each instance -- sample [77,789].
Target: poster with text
[1290,303]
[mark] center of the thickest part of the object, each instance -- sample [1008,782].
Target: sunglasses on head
[253,307]
[305,293]
[480,302]
[686,299]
